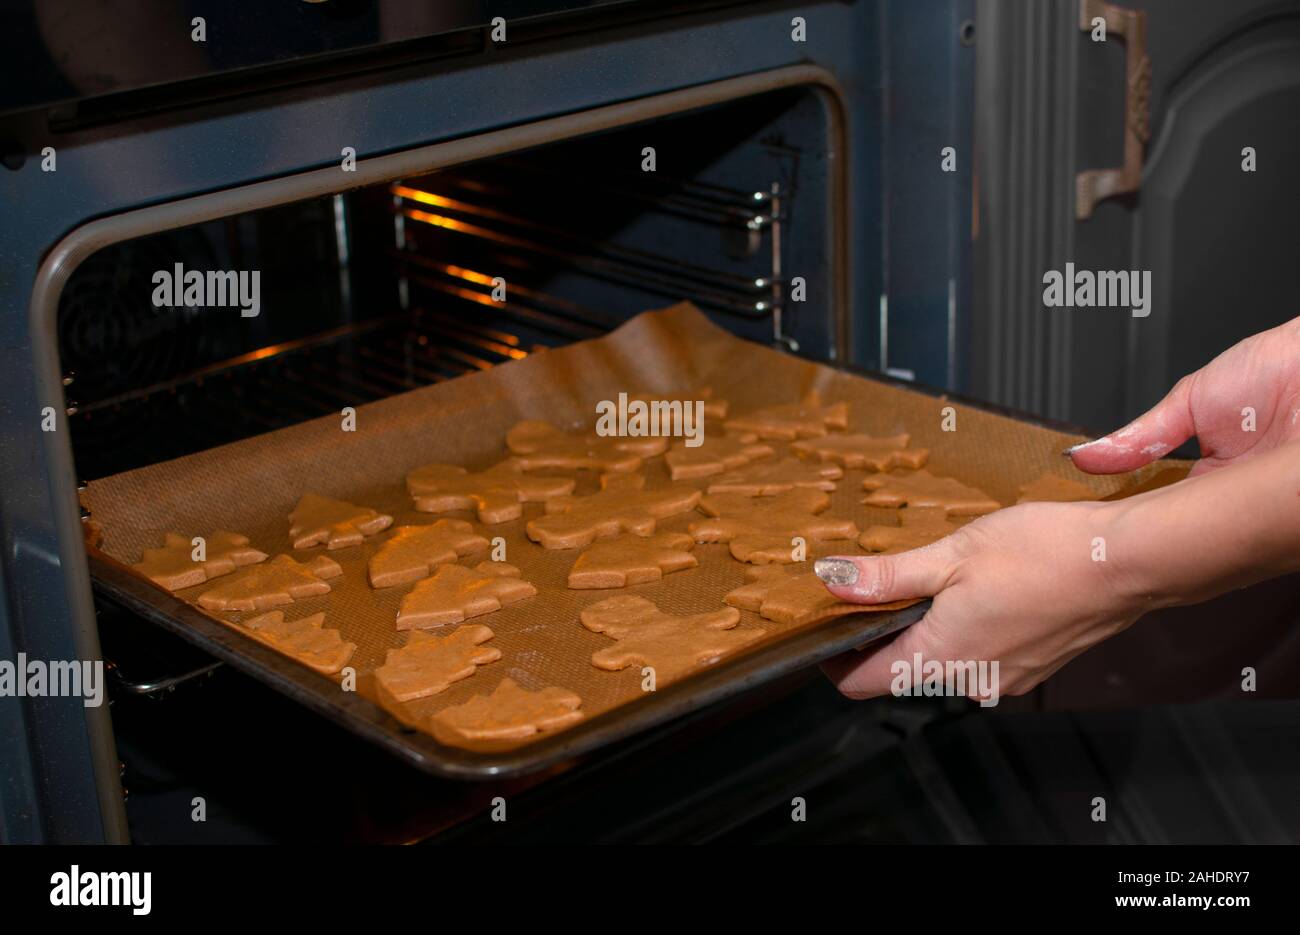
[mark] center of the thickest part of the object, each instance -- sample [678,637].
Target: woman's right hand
[1244,403]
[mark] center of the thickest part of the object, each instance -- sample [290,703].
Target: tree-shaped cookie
[412,552]
[509,713]
[174,567]
[540,445]
[761,530]
[713,408]
[306,640]
[498,494]
[455,593]
[336,524]
[808,419]
[673,646]
[921,488]
[795,597]
[621,506]
[773,477]
[1054,487]
[271,584]
[863,451]
[429,664]
[617,563]
[715,456]
[917,526]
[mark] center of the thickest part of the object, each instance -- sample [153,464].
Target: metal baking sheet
[250,487]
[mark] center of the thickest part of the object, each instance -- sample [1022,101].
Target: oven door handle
[1094,185]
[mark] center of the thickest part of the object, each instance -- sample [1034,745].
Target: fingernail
[836,571]
[1073,448]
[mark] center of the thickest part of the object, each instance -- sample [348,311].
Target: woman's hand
[1029,587]
[1243,403]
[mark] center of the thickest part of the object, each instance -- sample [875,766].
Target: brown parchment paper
[251,486]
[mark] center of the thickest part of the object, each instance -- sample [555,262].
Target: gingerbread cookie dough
[762,530]
[279,581]
[1055,488]
[537,446]
[621,506]
[921,488]
[336,524]
[795,597]
[413,552]
[808,419]
[617,563]
[673,646]
[173,566]
[863,451]
[455,593]
[771,478]
[713,408]
[509,713]
[917,526]
[498,494]
[307,640]
[715,456]
[429,664]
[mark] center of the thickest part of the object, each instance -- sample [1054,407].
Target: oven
[425,192]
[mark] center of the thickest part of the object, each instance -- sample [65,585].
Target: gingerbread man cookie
[174,567]
[621,506]
[1055,488]
[455,593]
[305,640]
[617,563]
[498,494]
[509,713]
[762,530]
[808,419]
[279,581]
[794,597]
[771,478]
[921,488]
[715,456]
[414,551]
[917,526]
[863,451]
[540,445]
[337,524]
[673,646]
[429,664]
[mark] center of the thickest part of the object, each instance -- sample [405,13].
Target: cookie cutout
[713,408]
[921,488]
[455,593]
[305,640]
[172,567]
[413,552]
[794,597]
[864,451]
[429,664]
[715,456]
[498,494]
[337,524]
[760,530]
[509,713]
[272,584]
[632,560]
[673,646]
[771,478]
[917,526]
[1057,489]
[808,419]
[540,445]
[620,506]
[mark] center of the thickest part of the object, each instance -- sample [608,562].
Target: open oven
[387,177]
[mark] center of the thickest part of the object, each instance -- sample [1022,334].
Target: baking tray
[251,485]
